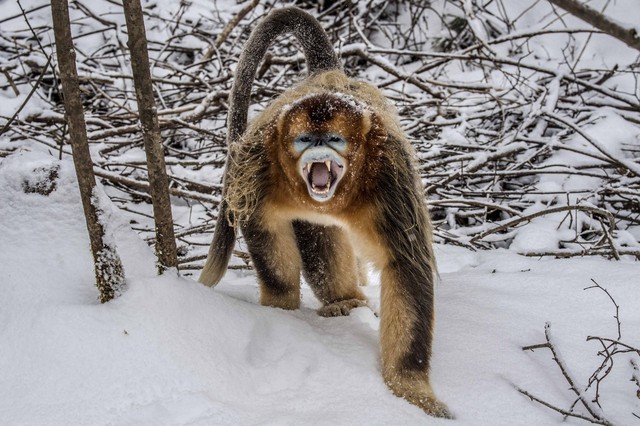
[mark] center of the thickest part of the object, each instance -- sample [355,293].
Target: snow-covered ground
[170,351]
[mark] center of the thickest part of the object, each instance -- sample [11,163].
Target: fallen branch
[579,253]
[630,165]
[629,36]
[144,186]
[565,413]
[26,100]
[610,349]
[526,218]
[596,415]
[484,145]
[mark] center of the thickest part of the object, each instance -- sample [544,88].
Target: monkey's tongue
[319,175]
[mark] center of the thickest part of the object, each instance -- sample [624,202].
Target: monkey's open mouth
[322,176]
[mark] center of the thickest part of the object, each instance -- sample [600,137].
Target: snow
[171,351]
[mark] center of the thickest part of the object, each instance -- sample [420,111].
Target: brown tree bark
[158,181]
[108,267]
[629,36]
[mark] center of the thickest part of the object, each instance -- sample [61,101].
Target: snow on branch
[526,137]
[629,36]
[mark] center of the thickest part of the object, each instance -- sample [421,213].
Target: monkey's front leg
[406,332]
[329,267]
[277,261]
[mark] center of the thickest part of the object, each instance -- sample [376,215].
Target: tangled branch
[506,139]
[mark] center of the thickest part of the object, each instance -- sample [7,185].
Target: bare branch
[629,36]
[560,410]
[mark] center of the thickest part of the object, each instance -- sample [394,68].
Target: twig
[635,378]
[628,348]
[596,416]
[534,347]
[617,315]
[26,100]
[485,148]
[609,238]
[232,24]
[627,164]
[560,362]
[561,411]
[386,66]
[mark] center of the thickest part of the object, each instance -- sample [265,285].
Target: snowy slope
[171,351]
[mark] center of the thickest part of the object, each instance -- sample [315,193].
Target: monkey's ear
[366,122]
[373,127]
[279,123]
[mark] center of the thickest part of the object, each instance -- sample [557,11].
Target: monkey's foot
[289,300]
[340,308]
[420,395]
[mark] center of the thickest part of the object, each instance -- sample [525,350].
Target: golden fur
[376,212]
[245,162]
[263,183]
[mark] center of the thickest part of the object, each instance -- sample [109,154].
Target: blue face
[322,163]
[316,140]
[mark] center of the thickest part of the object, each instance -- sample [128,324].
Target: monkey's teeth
[311,171]
[321,191]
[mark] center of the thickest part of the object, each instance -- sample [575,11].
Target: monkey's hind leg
[330,267]
[276,260]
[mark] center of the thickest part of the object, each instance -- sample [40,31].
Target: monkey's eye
[336,142]
[302,142]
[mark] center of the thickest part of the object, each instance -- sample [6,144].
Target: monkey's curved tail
[319,55]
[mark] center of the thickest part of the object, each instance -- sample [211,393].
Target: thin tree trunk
[629,36]
[158,181]
[108,267]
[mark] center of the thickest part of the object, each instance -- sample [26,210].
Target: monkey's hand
[418,392]
[341,307]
